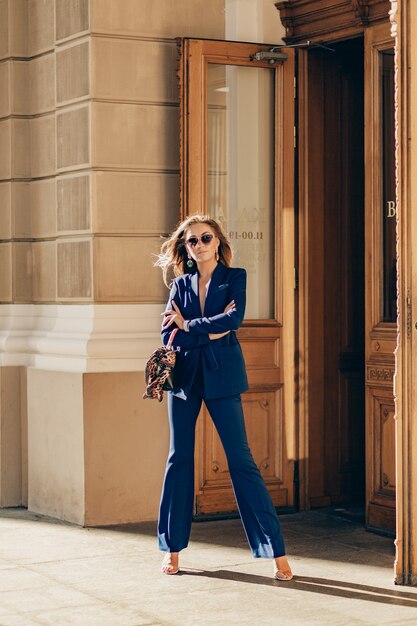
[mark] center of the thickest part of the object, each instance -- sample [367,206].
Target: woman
[206,306]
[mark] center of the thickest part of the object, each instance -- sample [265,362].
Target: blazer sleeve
[181,339]
[222,322]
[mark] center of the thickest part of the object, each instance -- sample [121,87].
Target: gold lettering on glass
[391,208]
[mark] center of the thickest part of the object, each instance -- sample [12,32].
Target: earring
[217,254]
[190,262]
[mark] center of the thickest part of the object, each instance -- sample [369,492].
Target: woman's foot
[282,570]
[170,563]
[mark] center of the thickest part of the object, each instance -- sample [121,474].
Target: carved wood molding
[325,20]
[361,10]
[393,17]
[379,374]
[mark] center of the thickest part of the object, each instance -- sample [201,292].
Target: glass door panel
[388,249]
[241,180]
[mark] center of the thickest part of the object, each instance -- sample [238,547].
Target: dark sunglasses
[205,239]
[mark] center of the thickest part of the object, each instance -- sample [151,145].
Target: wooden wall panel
[264,425]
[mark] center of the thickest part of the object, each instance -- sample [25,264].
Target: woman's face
[201,243]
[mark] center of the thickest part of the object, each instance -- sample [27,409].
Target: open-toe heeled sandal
[167,567]
[281,576]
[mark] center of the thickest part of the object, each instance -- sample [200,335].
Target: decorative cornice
[361,10]
[329,20]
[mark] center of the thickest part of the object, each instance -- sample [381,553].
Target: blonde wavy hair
[174,255]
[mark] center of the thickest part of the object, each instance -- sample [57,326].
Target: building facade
[118,117]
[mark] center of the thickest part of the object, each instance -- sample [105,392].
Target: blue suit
[213,371]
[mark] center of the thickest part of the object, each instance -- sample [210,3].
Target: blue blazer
[221,359]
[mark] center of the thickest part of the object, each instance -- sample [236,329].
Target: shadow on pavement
[325,586]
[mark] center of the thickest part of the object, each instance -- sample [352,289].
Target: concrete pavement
[56,574]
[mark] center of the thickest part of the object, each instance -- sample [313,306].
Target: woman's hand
[230,307]
[213,336]
[173,316]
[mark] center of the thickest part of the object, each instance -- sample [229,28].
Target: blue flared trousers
[256,510]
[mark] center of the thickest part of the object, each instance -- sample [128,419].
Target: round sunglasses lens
[192,241]
[206,238]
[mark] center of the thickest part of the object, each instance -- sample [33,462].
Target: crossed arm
[202,330]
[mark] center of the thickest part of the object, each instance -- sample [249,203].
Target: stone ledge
[79,338]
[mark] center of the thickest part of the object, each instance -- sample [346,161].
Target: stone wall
[89,181]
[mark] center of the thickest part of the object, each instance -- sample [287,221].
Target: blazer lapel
[195,300]
[216,280]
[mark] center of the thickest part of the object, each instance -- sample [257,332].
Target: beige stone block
[135,136]
[5,149]
[71,17]
[73,203]
[44,271]
[124,272]
[142,71]
[11,437]
[42,84]
[5,210]
[131,202]
[22,271]
[73,138]
[192,18]
[4,29]
[43,208]
[6,272]
[74,270]
[5,88]
[43,150]
[72,72]
[123,472]
[18,28]
[20,148]
[21,213]
[20,103]
[56,444]
[41,26]
[14,88]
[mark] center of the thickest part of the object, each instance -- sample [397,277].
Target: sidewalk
[57,574]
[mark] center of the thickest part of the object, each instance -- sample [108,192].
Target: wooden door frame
[405,391]
[381,336]
[304,214]
[276,372]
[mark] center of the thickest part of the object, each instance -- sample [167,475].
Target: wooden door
[237,164]
[381,292]
[332,253]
